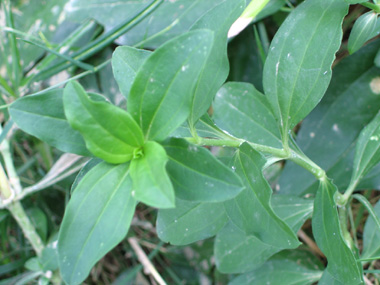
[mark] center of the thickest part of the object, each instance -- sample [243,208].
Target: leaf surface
[371,237]
[215,71]
[251,210]
[237,252]
[328,135]
[197,175]
[43,117]
[110,132]
[190,222]
[125,63]
[96,219]
[362,31]
[161,94]
[367,152]
[151,183]
[342,264]
[297,70]
[245,113]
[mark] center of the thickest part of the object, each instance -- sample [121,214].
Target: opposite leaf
[96,219]
[161,94]
[190,222]
[43,117]
[125,63]
[362,31]
[298,67]
[244,112]
[110,133]
[367,154]
[251,210]
[197,175]
[342,264]
[151,183]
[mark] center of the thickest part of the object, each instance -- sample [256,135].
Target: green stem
[5,190]
[27,227]
[308,164]
[343,225]
[16,209]
[374,7]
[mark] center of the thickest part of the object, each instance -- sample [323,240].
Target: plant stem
[294,156]
[27,227]
[6,193]
[8,188]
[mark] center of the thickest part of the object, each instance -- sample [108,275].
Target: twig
[143,258]
[313,246]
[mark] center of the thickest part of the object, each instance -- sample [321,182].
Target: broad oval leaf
[96,219]
[161,94]
[43,116]
[238,252]
[244,112]
[215,71]
[328,135]
[362,31]
[297,70]
[371,236]
[342,263]
[151,183]
[251,211]
[110,132]
[125,63]
[367,153]
[197,175]
[190,222]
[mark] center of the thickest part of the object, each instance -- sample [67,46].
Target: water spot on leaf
[375,85]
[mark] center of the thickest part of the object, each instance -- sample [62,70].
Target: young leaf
[215,71]
[43,117]
[342,264]
[238,252]
[371,237]
[110,133]
[197,175]
[279,272]
[298,67]
[362,31]
[190,222]
[151,183]
[125,63]
[367,153]
[251,210]
[96,219]
[161,93]
[244,112]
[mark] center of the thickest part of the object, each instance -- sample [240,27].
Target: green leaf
[169,20]
[371,236]
[110,133]
[82,173]
[327,136]
[238,252]
[215,71]
[190,222]
[43,117]
[251,210]
[125,63]
[96,219]
[298,67]
[279,272]
[342,264]
[197,175]
[245,113]
[362,31]
[367,152]
[151,183]
[161,93]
